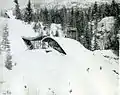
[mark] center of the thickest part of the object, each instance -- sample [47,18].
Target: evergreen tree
[77,23]
[94,30]
[57,17]
[8,61]
[28,16]
[52,14]
[95,11]
[114,9]
[45,15]
[17,10]
[107,10]
[72,17]
[102,10]
[5,42]
[63,13]
[36,16]
[88,32]
[41,15]
[5,47]
[114,39]
[80,24]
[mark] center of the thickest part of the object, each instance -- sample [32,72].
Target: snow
[39,71]
[10,14]
[17,29]
[1,66]
[104,29]
[109,57]
[45,30]
[57,72]
[107,53]
[66,44]
[106,23]
[54,28]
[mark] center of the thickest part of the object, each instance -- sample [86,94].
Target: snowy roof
[70,46]
[38,38]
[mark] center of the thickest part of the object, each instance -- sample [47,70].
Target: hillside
[37,72]
[69,3]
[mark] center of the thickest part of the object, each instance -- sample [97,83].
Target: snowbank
[71,46]
[106,53]
[61,74]
[110,59]
[37,72]
[17,29]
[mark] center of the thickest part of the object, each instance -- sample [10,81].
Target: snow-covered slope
[17,29]
[109,57]
[37,72]
[62,74]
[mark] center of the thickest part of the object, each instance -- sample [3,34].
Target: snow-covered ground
[39,73]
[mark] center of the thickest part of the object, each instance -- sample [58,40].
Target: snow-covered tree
[63,13]
[72,17]
[28,15]
[95,11]
[107,32]
[107,10]
[45,13]
[8,61]
[37,27]
[5,42]
[17,10]
[114,8]
[5,48]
